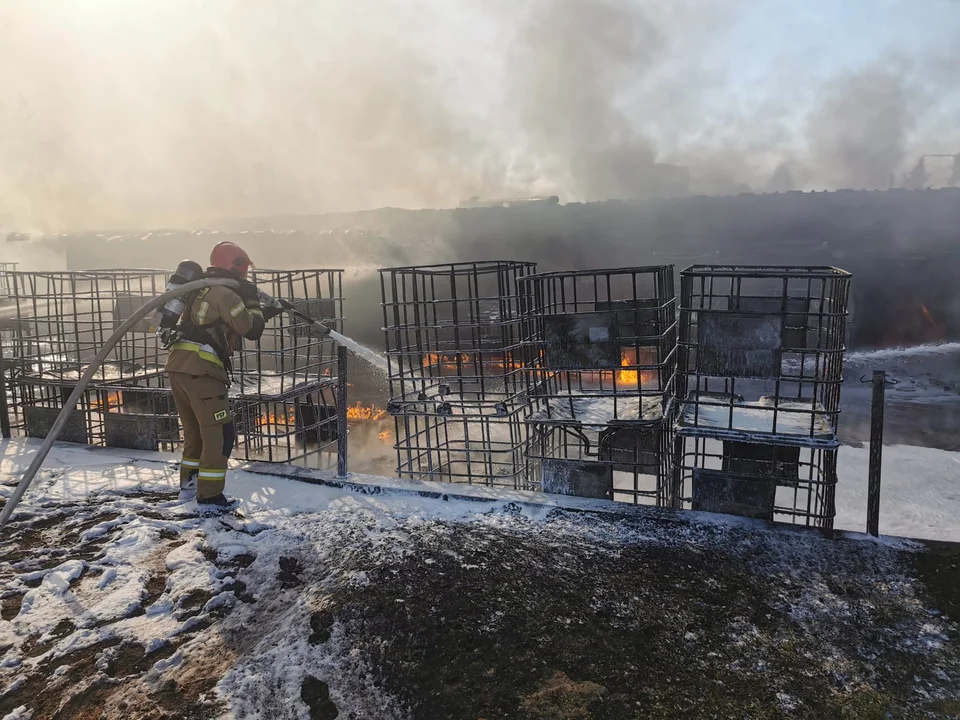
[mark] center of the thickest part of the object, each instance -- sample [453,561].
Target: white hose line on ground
[95,364]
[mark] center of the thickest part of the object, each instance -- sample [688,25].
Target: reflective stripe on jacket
[227,319]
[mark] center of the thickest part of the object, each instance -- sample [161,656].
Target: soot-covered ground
[325,603]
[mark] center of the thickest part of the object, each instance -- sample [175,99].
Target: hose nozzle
[267,301]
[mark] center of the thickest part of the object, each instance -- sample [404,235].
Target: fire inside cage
[455,371]
[601,358]
[760,353]
[283,397]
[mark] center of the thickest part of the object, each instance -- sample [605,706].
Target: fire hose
[99,359]
[87,376]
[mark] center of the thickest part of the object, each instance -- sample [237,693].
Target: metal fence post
[876,451]
[4,410]
[341,411]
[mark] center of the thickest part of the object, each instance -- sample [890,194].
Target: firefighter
[198,366]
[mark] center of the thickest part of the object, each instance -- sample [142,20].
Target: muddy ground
[495,614]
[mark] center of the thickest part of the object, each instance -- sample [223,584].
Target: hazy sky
[138,113]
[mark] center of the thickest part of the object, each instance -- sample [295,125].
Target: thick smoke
[570,62]
[143,114]
[858,135]
[135,113]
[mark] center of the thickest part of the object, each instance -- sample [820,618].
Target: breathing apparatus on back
[225,256]
[167,318]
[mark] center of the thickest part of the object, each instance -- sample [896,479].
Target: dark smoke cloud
[858,135]
[570,64]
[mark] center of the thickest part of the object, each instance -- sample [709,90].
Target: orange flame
[450,362]
[929,317]
[113,400]
[287,419]
[628,358]
[359,412]
[385,436]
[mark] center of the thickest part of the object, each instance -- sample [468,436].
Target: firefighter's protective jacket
[213,321]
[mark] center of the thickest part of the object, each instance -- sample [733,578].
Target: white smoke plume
[136,113]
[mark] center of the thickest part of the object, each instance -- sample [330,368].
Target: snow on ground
[323,602]
[919,491]
[140,572]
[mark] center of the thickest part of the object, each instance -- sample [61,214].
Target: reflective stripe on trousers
[188,466]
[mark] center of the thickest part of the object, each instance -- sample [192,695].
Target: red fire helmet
[230,257]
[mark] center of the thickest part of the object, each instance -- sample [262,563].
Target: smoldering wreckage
[571,493]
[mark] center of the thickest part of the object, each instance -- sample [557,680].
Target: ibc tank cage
[600,371]
[455,370]
[284,384]
[56,322]
[760,355]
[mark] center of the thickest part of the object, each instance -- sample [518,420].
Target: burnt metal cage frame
[455,370]
[788,483]
[283,393]
[441,327]
[760,356]
[600,371]
[6,284]
[474,449]
[797,371]
[58,321]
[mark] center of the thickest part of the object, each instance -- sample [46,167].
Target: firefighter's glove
[249,294]
[270,312]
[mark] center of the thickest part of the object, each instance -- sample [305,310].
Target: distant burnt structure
[902,245]
[477,202]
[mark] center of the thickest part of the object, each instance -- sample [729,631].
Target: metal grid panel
[475,450]
[773,482]
[298,428]
[59,321]
[455,370]
[453,331]
[290,352]
[760,352]
[6,281]
[606,335]
[637,459]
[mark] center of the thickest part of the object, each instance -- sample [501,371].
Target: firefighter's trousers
[208,430]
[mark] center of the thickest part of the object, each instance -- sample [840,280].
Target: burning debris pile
[366,413]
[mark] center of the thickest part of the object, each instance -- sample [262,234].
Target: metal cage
[283,395]
[786,483]
[283,391]
[6,280]
[760,354]
[455,370]
[58,322]
[600,371]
